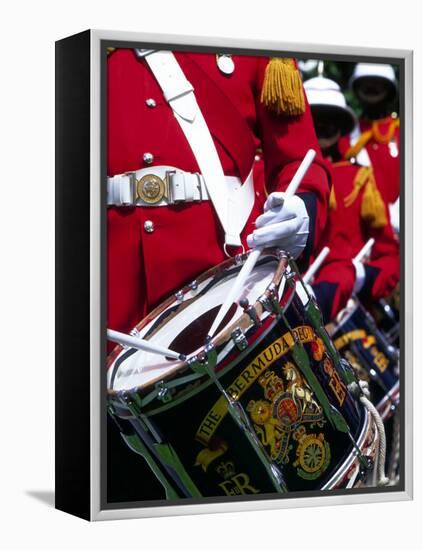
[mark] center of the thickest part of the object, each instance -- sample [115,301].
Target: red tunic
[347,232]
[144,268]
[383,148]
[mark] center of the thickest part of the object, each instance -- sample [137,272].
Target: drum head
[183,323]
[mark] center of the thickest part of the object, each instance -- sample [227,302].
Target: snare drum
[263,407]
[359,340]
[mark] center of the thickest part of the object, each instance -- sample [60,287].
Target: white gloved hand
[394,211]
[284,223]
[360,276]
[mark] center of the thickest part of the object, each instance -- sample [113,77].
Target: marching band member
[357,212]
[376,140]
[182,133]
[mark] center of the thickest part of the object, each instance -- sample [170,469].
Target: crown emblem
[272,384]
[226,469]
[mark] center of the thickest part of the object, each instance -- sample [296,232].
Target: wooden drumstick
[315,266]
[254,255]
[143,345]
[365,250]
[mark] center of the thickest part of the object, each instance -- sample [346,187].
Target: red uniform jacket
[347,232]
[145,267]
[381,138]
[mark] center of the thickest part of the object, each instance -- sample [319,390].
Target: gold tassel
[374,133]
[110,50]
[282,89]
[385,138]
[332,199]
[358,146]
[360,179]
[373,208]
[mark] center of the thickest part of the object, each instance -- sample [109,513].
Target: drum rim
[337,479]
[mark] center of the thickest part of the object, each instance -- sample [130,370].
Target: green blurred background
[340,72]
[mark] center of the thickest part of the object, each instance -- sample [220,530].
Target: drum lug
[163,392]
[193,285]
[205,361]
[289,276]
[270,300]
[195,365]
[179,296]
[265,302]
[131,400]
[366,465]
[239,339]
[250,311]
[282,255]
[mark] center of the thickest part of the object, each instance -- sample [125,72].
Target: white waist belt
[166,185]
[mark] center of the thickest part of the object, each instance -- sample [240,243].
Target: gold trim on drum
[151,189]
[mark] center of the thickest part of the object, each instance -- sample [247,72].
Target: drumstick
[364,251]
[143,345]
[315,266]
[255,253]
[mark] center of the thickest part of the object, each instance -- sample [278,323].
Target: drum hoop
[180,399]
[352,458]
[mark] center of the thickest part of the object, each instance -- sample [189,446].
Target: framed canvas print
[234,307]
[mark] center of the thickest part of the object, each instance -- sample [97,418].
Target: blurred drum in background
[357,337]
[386,312]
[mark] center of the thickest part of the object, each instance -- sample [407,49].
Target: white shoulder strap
[232,206]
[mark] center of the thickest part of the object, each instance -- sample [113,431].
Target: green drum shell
[286,429]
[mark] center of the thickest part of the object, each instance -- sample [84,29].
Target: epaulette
[110,50]
[385,137]
[373,209]
[375,133]
[282,90]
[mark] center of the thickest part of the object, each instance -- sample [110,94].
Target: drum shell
[277,404]
[387,316]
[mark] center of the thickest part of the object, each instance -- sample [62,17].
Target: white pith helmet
[325,95]
[381,71]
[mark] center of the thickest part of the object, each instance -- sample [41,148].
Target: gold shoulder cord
[374,133]
[373,209]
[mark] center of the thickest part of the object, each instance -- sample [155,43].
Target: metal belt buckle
[151,189]
[170,187]
[132,183]
[168,176]
[200,190]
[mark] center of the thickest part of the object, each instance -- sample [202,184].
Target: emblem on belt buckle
[151,189]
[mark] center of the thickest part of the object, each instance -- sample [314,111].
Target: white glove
[285,224]
[360,276]
[394,211]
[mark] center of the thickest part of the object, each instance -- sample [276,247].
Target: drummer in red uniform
[182,131]
[357,212]
[376,140]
